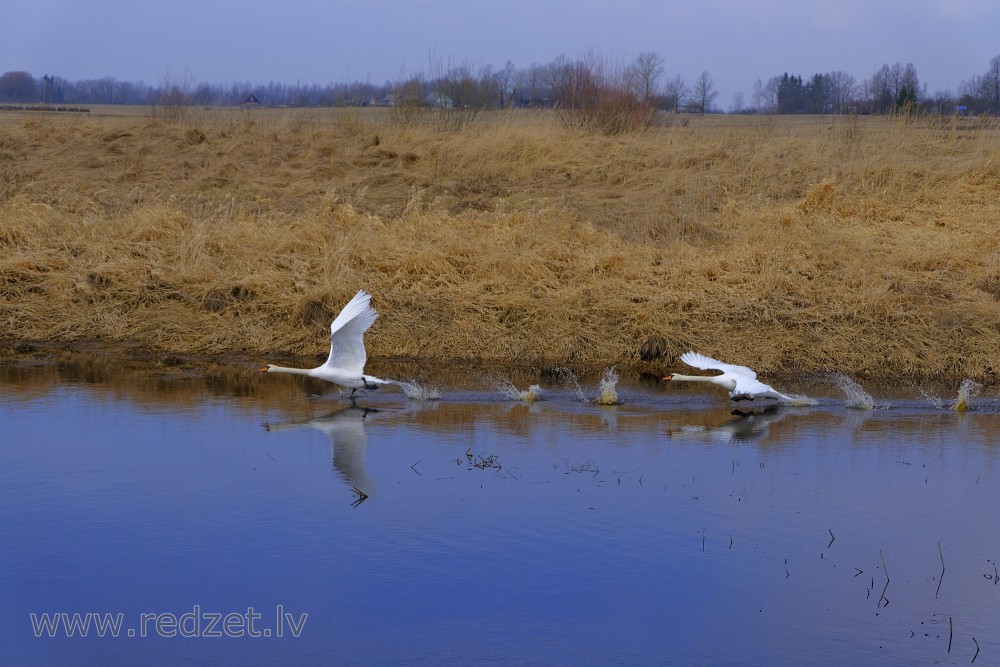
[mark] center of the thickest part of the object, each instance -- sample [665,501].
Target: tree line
[564,83]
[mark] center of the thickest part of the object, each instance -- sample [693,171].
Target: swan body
[346,363]
[740,381]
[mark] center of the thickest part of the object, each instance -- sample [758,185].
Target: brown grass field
[790,244]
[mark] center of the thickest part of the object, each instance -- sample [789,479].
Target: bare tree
[504,84]
[703,93]
[645,72]
[675,94]
[758,95]
[18,87]
[841,91]
[738,104]
[990,85]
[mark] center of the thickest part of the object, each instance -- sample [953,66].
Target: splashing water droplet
[967,390]
[568,380]
[417,392]
[510,392]
[608,394]
[857,397]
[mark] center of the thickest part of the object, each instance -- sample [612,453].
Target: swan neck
[285,369]
[693,378]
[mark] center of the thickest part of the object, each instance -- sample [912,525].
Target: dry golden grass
[865,245]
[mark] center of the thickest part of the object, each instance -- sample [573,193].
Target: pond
[178,516]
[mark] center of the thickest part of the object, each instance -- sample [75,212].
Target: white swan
[741,382]
[346,363]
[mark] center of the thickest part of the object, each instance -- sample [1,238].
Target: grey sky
[311,41]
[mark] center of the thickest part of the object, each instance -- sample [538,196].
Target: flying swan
[346,363]
[741,382]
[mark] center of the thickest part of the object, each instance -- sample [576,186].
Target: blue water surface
[477,529]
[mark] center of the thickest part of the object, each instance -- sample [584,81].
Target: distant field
[811,244]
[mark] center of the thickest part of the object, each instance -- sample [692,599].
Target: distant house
[439,101]
[251,102]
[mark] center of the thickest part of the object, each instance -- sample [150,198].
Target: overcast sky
[316,41]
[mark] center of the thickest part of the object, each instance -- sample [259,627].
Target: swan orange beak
[262,370]
[668,377]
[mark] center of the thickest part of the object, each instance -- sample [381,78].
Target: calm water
[478,528]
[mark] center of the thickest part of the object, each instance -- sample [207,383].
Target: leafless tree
[503,80]
[18,87]
[703,93]
[758,96]
[990,85]
[841,90]
[675,93]
[738,104]
[645,72]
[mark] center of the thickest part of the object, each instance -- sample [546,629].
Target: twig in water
[832,538]
[977,649]
[702,539]
[941,578]
[414,467]
[362,496]
[949,634]
[730,541]
[886,587]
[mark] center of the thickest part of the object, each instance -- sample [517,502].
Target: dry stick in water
[977,649]
[886,587]
[941,578]
[950,634]
[832,538]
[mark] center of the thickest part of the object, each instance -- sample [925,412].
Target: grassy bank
[867,245]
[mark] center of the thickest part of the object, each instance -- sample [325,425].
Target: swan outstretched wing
[347,346]
[705,363]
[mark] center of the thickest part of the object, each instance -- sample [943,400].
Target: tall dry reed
[859,244]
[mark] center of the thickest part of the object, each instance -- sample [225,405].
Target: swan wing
[706,363]
[347,345]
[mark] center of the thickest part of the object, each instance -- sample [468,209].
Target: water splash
[966,392]
[797,401]
[568,379]
[529,395]
[935,402]
[857,397]
[608,394]
[418,392]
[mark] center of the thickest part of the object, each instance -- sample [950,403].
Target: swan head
[266,368]
[668,377]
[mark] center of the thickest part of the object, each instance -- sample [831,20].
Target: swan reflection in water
[746,425]
[348,441]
